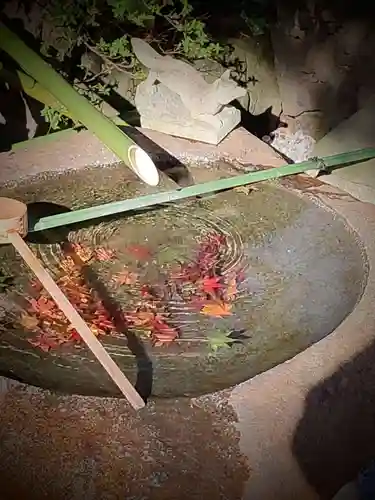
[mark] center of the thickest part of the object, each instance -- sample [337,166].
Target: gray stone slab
[356,132]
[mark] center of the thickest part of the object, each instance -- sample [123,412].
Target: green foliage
[223,340]
[56,116]
[219,340]
[98,32]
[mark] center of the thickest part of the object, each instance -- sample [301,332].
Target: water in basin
[286,273]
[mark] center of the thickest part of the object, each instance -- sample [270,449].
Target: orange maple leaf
[216,309]
[84,253]
[143,318]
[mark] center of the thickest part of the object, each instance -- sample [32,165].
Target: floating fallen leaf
[68,265]
[146,292]
[163,333]
[142,318]
[140,252]
[84,253]
[29,322]
[219,340]
[53,323]
[42,305]
[246,189]
[74,335]
[216,309]
[211,285]
[125,277]
[43,342]
[104,254]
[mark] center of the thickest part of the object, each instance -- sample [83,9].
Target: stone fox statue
[198,96]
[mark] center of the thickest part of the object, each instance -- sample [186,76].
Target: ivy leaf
[216,309]
[218,341]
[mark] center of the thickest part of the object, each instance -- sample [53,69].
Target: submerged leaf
[125,277]
[104,254]
[140,252]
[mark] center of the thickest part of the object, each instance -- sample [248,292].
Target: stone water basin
[299,271]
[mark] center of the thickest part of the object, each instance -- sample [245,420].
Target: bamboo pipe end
[13,218]
[142,164]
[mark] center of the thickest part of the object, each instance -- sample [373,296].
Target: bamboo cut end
[142,164]
[13,218]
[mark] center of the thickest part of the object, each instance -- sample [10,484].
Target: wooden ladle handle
[76,321]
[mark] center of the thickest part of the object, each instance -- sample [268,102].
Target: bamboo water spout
[122,206]
[79,107]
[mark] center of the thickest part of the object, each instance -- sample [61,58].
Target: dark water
[301,269]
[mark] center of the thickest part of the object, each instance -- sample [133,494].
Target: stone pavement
[356,132]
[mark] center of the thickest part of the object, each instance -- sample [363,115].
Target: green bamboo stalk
[32,88]
[329,162]
[79,107]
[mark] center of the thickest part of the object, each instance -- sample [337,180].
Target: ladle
[13,228]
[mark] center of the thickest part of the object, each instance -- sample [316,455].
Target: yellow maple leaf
[216,309]
[29,322]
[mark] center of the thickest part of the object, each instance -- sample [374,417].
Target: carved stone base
[162,110]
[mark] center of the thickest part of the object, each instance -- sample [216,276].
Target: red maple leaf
[146,292]
[211,285]
[42,305]
[140,252]
[43,342]
[74,335]
[162,333]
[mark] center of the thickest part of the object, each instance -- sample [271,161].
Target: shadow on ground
[70,448]
[335,437]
